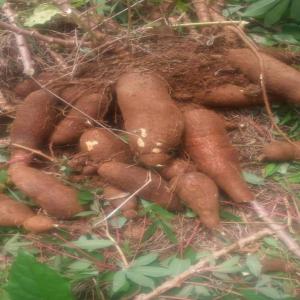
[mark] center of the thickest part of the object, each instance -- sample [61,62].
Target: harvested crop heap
[146,126]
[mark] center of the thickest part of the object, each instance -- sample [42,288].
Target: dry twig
[21,42]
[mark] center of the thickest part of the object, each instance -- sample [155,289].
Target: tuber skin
[116,197]
[46,191]
[281,79]
[130,178]
[200,194]
[38,224]
[101,145]
[72,93]
[154,122]
[281,151]
[177,167]
[230,95]
[13,213]
[27,86]
[34,120]
[209,147]
[72,126]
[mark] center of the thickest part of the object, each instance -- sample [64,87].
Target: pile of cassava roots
[142,138]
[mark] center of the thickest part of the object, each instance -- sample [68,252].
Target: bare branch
[22,45]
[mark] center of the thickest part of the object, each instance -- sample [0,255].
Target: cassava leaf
[254,265]
[41,14]
[276,13]
[259,8]
[140,279]
[91,244]
[145,259]
[31,280]
[119,280]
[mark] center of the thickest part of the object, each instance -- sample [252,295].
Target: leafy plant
[31,280]
[160,219]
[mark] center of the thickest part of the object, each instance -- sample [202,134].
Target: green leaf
[150,231]
[226,215]
[85,197]
[3,176]
[253,295]
[140,279]
[151,271]
[80,265]
[145,259]
[253,179]
[295,10]
[186,291]
[276,13]
[119,280]
[31,280]
[91,244]
[254,265]
[259,8]
[168,231]
[41,14]
[2,2]
[270,292]
[201,290]
[178,266]
[270,169]
[229,266]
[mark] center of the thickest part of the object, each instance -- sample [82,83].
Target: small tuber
[46,191]
[281,151]
[130,178]
[101,145]
[72,126]
[200,194]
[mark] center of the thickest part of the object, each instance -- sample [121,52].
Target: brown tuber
[281,79]
[130,178]
[27,86]
[281,151]
[38,224]
[117,197]
[154,122]
[46,191]
[209,147]
[177,167]
[13,213]
[200,194]
[34,120]
[72,126]
[230,95]
[101,145]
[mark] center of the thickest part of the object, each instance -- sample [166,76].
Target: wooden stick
[21,42]
[191,271]
[42,37]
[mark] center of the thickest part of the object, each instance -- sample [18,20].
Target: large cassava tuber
[72,126]
[199,193]
[282,151]
[34,120]
[13,213]
[46,191]
[209,147]
[130,178]
[101,145]
[154,122]
[281,79]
